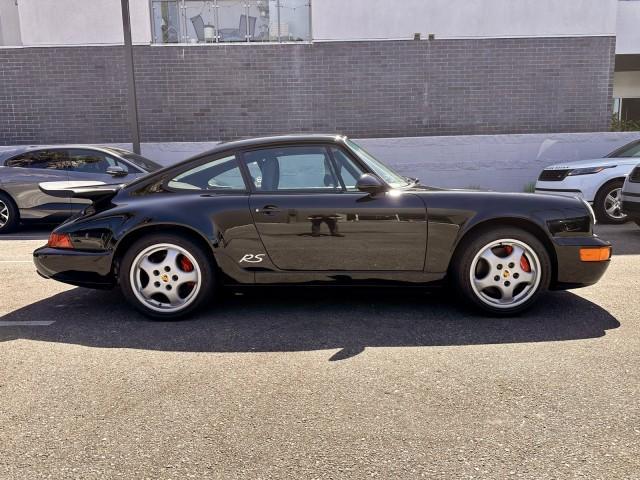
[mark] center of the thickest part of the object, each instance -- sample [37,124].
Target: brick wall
[57,95]
[363,89]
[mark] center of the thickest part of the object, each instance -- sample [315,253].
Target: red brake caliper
[186,265]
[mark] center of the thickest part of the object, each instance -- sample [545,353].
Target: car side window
[291,168]
[90,161]
[348,170]
[41,159]
[220,174]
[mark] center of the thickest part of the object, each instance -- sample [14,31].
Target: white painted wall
[77,22]
[498,162]
[400,19]
[9,23]
[626,84]
[628,40]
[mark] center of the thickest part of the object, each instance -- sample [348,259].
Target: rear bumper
[573,272]
[83,269]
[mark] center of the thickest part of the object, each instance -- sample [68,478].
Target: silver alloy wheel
[500,278]
[165,278]
[613,204]
[4,214]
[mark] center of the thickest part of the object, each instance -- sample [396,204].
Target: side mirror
[117,171]
[370,184]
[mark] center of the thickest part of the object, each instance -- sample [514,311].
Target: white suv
[598,181]
[631,195]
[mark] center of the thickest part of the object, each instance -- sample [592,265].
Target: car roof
[274,140]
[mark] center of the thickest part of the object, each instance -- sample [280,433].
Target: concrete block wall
[363,89]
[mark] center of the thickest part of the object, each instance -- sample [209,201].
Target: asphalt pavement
[319,384]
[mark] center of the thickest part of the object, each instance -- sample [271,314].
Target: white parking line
[26,323]
[16,261]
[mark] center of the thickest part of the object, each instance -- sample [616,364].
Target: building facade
[219,69]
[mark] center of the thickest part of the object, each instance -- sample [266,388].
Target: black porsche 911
[315,210]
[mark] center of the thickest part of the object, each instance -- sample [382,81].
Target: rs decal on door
[251,258]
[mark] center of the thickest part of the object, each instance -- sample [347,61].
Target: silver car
[23,168]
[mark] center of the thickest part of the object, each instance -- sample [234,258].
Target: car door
[310,220]
[25,172]
[92,165]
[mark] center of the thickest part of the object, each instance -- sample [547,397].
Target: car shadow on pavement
[276,320]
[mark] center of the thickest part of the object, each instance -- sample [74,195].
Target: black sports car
[315,210]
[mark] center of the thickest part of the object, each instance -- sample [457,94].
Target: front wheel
[608,203]
[166,276]
[502,271]
[9,214]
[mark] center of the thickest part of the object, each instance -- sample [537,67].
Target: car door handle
[268,210]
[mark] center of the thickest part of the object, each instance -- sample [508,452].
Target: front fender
[453,215]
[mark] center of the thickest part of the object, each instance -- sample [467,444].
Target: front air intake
[553,175]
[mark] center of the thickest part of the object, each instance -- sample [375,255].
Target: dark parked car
[23,168]
[316,210]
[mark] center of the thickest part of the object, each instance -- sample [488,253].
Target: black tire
[204,263]
[599,204]
[472,245]
[8,207]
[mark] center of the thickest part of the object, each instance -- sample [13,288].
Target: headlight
[588,171]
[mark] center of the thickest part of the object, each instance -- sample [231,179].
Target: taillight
[59,240]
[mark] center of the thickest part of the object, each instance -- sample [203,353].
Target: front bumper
[561,192]
[631,206]
[573,272]
[582,186]
[83,269]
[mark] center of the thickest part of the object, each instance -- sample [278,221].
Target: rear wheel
[608,203]
[166,276]
[9,214]
[502,271]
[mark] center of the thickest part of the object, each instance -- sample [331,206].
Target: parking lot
[319,384]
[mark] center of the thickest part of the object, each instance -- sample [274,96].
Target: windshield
[142,162]
[393,179]
[627,151]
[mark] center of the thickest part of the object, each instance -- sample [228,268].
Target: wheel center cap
[506,274]
[165,278]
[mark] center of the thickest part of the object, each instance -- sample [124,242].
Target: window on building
[626,114]
[215,21]
[627,108]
